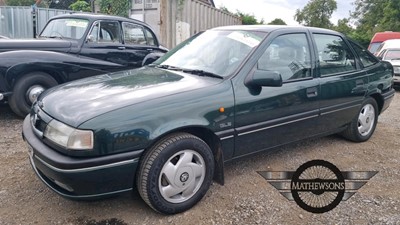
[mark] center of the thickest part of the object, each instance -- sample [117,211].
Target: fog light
[1,96]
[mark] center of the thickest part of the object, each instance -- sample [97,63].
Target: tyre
[27,89]
[175,173]
[363,125]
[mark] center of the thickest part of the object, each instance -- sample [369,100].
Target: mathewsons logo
[317,186]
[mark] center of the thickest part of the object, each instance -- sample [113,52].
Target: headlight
[396,69]
[69,137]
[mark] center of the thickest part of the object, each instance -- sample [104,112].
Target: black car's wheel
[27,89]
[175,173]
[363,125]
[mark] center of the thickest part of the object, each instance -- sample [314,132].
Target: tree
[20,2]
[316,13]
[80,5]
[344,27]
[115,7]
[247,19]
[375,16]
[277,21]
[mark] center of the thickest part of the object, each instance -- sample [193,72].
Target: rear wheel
[175,173]
[27,89]
[363,125]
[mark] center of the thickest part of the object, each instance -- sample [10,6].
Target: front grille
[39,120]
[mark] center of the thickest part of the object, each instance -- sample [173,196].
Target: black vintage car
[167,128]
[70,47]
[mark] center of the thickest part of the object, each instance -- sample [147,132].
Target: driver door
[271,116]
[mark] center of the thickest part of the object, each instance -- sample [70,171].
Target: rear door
[104,42]
[343,82]
[139,41]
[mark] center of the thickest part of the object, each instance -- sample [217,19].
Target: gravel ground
[246,197]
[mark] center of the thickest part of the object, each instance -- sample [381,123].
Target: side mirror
[151,57]
[263,78]
[90,38]
[379,57]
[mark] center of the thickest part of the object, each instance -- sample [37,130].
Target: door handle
[312,92]
[359,82]
[121,48]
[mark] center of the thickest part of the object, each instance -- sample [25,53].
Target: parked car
[393,43]
[71,47]
[380,37]
[167,128]
[392,55]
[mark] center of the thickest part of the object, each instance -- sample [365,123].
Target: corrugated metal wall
[17,21]
[176,20]
[180,19]
[43,15]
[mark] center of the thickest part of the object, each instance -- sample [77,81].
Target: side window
[150,37]
[288,55]
[134,34]
[366,57]
[334,55]
[105,32]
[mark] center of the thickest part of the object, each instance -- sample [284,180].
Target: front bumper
[396,79]
[81,178]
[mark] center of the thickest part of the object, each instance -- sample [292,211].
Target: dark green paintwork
[131,109]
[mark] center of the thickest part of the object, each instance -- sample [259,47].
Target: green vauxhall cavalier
[167,128]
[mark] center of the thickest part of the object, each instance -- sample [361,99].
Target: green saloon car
[166,129]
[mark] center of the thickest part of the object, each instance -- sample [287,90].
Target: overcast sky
[284,9]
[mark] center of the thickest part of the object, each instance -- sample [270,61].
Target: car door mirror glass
[265,78]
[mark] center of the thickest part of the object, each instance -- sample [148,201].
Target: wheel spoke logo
[317,186]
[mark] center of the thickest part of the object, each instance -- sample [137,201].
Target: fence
[177,20]
[17,22]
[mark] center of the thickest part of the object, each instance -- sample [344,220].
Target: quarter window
[134,34]
[366,58]
[289,55]
[334,55]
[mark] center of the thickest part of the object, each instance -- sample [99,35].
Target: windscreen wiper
[202,73]
[191,71]
[167,67]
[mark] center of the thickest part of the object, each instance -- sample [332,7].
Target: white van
[392,43]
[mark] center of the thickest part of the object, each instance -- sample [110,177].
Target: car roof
[270,28]
[92,16]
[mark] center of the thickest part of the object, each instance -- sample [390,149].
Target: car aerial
[392,55]
[70,47]
[167,128]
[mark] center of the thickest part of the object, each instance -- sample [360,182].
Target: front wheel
[175,173]
[27,89]
[363,125]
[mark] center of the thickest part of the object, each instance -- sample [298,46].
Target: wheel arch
[18,71]
[379,101]
[210,138]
